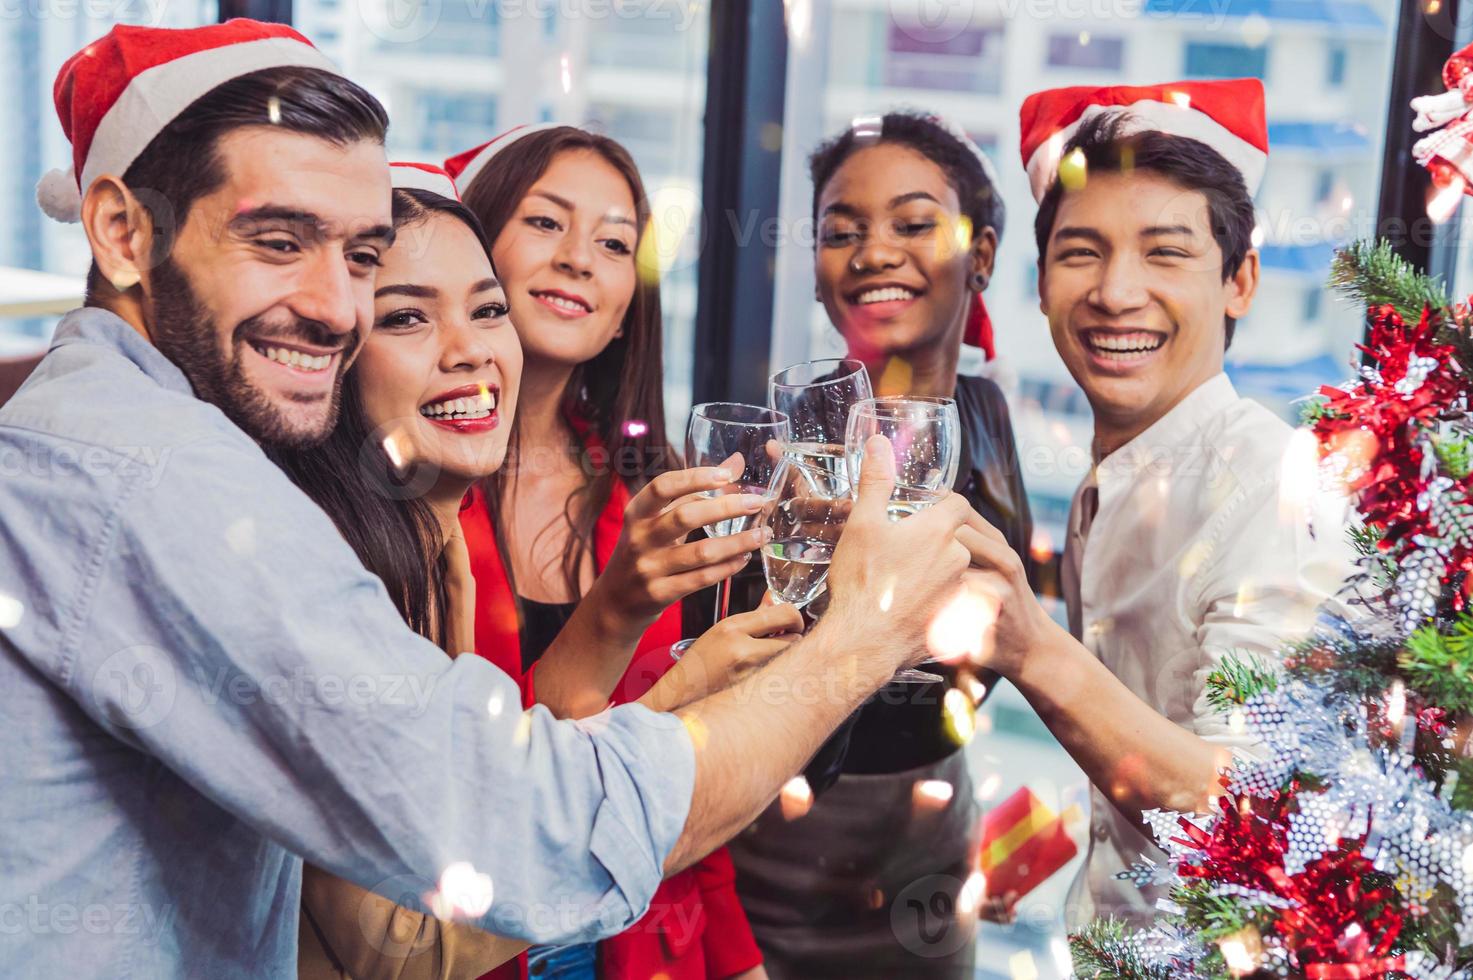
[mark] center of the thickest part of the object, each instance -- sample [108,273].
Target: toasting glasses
[716,430]
[817,397]
[806,514]
[925,438]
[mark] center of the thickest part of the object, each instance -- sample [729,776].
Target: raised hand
[890,578]
[726,653]
[653,565]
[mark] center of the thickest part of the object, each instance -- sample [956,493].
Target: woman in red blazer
[564,210]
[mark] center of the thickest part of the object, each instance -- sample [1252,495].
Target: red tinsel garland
[1336,921]
[1375,427]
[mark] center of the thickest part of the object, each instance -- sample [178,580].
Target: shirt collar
[103,328]
[1171,430]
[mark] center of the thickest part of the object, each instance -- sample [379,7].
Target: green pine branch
[1103,951]
[1238,678]
[1438,664]
[1372,274]
[1455,454]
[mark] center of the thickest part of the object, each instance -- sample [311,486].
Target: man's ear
[1242,285]
[984,254]
[120,232]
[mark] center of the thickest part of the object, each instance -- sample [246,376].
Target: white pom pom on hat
[118,93]
[60,196]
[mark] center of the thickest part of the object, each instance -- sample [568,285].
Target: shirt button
[539,968]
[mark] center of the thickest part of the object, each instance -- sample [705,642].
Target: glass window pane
[981,61]
[32,48]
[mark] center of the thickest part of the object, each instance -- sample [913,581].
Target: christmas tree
[1343,846]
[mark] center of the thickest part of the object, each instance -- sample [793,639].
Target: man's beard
[185,333]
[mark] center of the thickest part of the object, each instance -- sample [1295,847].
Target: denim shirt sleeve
[227,629]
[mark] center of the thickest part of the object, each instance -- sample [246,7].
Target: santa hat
[423,177]
[117,94]
[1226,115]
[464,167]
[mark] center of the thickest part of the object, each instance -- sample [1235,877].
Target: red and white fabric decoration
[424,177]
[464,167]
[1447,152]
[1226,115]
[119,92]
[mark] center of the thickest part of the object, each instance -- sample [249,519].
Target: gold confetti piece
[796,797]
[961,716]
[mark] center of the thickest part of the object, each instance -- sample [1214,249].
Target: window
[1205,60]
[42,262]
[441,119]
[964,61]
[1335,66]
[1083,50]
[1311,311]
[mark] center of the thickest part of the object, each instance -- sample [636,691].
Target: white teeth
[565,304]
[296,359]
[888,295]
[461,408]
[1124,347]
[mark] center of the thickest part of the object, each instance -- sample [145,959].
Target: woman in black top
[865,884]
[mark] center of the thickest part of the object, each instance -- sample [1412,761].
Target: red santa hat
[1226,115]
[422,176]
[464,167]
[116,94]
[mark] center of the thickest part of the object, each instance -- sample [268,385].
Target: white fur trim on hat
[478,162]
[155,97]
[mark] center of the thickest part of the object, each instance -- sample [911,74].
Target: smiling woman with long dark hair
[565,210]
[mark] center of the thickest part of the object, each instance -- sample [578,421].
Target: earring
[979,282]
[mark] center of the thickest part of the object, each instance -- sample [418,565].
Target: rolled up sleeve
[1272,573]
[286,688]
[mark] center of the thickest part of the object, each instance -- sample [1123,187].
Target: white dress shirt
[1207,539]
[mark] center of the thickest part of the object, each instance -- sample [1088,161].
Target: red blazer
[695,928]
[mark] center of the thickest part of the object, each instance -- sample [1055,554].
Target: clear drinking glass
[806,512]
[716,430]
[925,438]
[817,397]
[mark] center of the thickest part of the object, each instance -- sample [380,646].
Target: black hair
[377,506]
[980,201]
[1107,146]
[182,163]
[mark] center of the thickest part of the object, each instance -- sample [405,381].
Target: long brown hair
[618,393]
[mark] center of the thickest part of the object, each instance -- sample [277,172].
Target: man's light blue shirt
[201,686]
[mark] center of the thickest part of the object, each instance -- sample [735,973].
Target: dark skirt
[865,884]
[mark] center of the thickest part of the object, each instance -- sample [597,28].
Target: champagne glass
[716,430]
[925,438]
[817,396]
[806,512]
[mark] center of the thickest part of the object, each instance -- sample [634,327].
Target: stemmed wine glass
[716,430]
[817,396]
[807,509]
[925,438]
